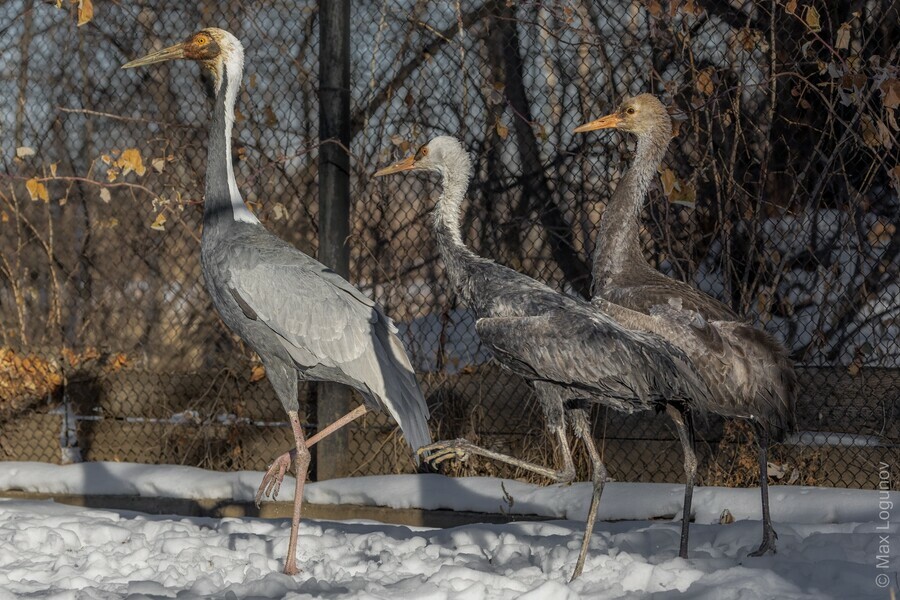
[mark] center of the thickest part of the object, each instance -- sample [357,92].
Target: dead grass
[25,379]
[735,461]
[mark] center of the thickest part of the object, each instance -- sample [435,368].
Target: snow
[827,546]
[129,479]
[621,501]
[54,551]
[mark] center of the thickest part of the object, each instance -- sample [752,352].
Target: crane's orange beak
[170,53]
[407,164]
[606,122]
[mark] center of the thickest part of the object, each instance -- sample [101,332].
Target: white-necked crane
[303,320]
[747,370]
[570,353]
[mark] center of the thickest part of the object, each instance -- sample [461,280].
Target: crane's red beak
[170,53]
[407,164]
[606,122]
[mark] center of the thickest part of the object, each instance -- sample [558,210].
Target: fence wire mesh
[778,195]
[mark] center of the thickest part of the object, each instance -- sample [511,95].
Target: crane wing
[644,296]
[328,325]
[629,369]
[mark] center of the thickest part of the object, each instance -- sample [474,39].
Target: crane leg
[690,473]
[461,449]
[599,476]
[301,464]
[769,535]
[271,482]
[551,403]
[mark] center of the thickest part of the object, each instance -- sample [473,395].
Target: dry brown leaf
[674,5]
[24,151]
[52,169]
[37,190]
[791,7]
[669,181]
[869,133]
[502,130]
[159,223]
[69,355]
[891,90]
[843,37]
[158,164]
[271,117]
[693,8]
[257,373]
[812,18]
[105,195]
[704,82]
[118,361]
[748,38]
[85,11]
[881,232]
[401,142]
[130,160]
[684,195]
[654,8]
[856,81]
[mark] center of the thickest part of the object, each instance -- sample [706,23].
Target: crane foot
[768,543]
[271,482]
[439,452]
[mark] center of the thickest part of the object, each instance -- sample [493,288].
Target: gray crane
[303,320]
[747,371]
[571,354]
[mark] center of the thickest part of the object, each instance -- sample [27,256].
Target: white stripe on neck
[449,206]
[233,66]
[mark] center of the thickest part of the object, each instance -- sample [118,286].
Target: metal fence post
[333,400]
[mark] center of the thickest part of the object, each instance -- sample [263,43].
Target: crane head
[440,155]
[639,115]
[211,47]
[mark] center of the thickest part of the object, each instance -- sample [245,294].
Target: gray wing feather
[630,370]
[642,297]
[323,320]
[747,370]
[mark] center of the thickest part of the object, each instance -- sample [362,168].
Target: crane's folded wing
[309,311]
[644,296]
[323,320]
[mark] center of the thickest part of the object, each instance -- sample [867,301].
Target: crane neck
[223,202]
[446,220]
[449,206]
[618,247]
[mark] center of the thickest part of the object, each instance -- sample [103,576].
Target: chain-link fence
[778,195]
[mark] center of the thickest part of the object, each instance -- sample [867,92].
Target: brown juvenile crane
[747,371]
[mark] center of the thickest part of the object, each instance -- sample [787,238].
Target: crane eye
[630,110]
[422,153]
[201,40]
